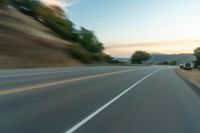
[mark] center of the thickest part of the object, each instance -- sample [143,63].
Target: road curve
[103,99]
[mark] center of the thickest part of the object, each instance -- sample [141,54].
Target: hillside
[25,42]
[158,58]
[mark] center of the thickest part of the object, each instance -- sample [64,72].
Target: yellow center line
[42,85]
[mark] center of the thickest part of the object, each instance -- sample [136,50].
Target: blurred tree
[197,55]
[140,56]
[89,41]
[164,63]
[4,2]
[55,19]
[29,7]
[110,59]
[58,11]
[173,63]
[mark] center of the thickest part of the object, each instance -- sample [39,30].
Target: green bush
[80,53]
[28,7]
[198,67]
[89,41]
[97,57]
[4,2]
[111,60]
[197,55]
[85,56]
[65,32]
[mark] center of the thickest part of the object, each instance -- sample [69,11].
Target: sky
[124,26]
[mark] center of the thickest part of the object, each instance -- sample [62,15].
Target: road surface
[103,99]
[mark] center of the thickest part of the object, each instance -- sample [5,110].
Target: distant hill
[158,58]
[179,58]
[125,60]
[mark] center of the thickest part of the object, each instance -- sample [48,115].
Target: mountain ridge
[157,58]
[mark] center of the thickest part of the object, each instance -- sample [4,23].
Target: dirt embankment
[25,42]
[192,76]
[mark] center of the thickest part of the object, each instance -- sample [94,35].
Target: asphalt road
[103,99]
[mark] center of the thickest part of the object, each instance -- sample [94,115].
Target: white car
[187,66]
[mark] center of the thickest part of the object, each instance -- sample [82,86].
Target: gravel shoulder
[192,76]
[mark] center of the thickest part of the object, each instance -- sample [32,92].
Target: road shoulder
[191,78]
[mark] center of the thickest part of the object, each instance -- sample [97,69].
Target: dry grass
[193,76]
[25,42]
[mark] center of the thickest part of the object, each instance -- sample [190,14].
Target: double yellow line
[42,85]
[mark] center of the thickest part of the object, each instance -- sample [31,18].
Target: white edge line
[44,73]
[82,122]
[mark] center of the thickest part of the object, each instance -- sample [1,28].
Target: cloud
[62,3]
[165,47]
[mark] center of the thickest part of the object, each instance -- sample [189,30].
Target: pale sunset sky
[161,26]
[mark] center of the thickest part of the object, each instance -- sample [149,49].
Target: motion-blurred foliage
[197,55]
[90,49]
[172,63]
[89,41]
